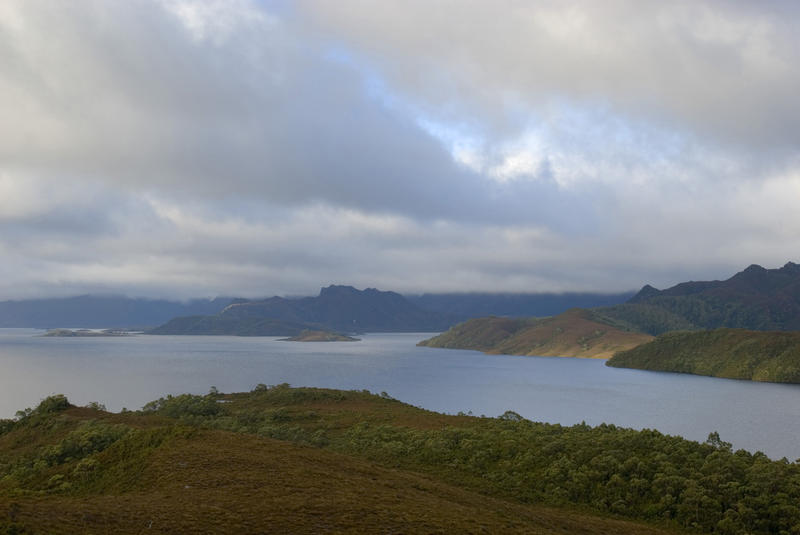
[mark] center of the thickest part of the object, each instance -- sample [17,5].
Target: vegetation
[730,353]
[643,317]
[575,333]
[310,460]
[276,459]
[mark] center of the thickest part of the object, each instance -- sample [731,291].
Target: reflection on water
[130,371]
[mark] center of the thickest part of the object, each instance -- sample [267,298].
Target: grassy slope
[61,472]
[575,333]
[730,353]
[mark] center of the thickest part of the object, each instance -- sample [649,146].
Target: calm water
[128,372]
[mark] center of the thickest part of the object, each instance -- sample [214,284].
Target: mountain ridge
[102,311]
[755,298]
[337,307]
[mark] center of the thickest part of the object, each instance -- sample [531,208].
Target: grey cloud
[727,70]
[146,156]
[132,100]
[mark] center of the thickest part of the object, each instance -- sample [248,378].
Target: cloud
[235,147]
[725,70]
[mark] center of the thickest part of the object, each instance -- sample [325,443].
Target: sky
[171,148]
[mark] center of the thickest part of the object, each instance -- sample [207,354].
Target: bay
[130,371]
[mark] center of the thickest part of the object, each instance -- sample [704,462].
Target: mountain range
[516,305]
[125,312]
[336,308]
[756,298]
[101,311]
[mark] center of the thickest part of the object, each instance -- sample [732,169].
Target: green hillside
[730,353]
[285,460]
[575,333]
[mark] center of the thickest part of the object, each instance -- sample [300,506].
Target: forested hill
[730,353]
[337,308]
[756,298]
[517,305]
[287,460]
[575,333]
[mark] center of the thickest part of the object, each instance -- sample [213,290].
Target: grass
[575,333]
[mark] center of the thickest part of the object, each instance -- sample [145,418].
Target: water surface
[130,371]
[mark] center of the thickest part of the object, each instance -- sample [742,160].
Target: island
[575,333]
[320,336]
[84,333]
[771,356]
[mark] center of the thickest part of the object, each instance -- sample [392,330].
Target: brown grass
[220,482]
[575,333]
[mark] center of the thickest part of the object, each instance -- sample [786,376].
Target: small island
[84,333]
[770,356]
[320,336]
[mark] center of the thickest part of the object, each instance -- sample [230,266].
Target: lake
[130,371]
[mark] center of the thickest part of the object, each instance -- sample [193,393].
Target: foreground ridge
[307,460]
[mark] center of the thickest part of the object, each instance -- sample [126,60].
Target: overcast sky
[186,149]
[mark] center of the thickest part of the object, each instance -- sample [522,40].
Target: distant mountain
[575,333]
[756,298]
[337,308]
[224,325]
[101,311]
[477,305]
[730,353]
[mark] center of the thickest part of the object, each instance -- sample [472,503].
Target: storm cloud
[180,149]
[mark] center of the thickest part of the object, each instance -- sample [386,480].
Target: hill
[729,353]
[288,460]
[222,325]
[337,308]
[101,311]
[756,298]
[575,333]
[518,305]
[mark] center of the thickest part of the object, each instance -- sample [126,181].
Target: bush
[185,406]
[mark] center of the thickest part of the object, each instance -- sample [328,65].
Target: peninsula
[575,333]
